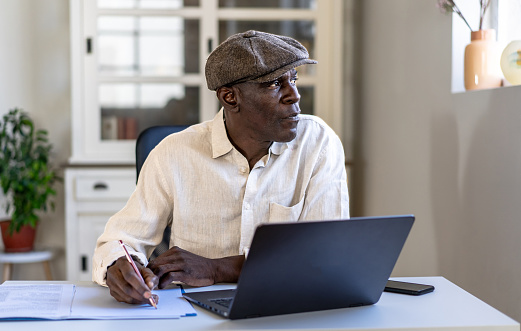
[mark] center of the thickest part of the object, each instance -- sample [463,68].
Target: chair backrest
[146,141]
[149,138]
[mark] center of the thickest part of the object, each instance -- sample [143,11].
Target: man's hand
[126,286]
[176,264]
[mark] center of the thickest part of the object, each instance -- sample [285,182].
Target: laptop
[310,266]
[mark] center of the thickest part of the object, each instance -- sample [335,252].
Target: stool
[43,255]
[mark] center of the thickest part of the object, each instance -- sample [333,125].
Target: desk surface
[447,308]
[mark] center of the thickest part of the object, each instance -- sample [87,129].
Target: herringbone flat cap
[253,56]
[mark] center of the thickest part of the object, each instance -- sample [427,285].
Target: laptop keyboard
[225,302]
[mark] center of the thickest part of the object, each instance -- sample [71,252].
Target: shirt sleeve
[140,224]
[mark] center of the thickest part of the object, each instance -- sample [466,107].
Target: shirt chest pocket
[280,213]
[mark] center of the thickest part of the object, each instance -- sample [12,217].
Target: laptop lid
[308,266]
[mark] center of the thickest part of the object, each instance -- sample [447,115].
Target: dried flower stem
[449,6]
[457,11]
[483,8]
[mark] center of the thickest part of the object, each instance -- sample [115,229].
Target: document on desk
[26,301]
[41,300]
[95,302]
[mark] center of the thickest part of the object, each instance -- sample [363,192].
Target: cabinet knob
[100,186]
[84,262]
[89,45]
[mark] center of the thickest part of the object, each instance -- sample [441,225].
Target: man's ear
[228,98]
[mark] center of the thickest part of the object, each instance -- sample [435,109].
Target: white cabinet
[93,195]
[136,64]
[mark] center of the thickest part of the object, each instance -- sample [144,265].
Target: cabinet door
[90,227]
[93,195]
[137,65]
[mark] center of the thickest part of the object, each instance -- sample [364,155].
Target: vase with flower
[482,54]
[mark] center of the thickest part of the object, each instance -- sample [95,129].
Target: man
[257,161]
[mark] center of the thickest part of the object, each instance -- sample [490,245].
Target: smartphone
[407,288]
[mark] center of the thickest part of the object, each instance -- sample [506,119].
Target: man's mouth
[293,117]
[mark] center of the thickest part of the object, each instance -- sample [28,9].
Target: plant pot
[482,56]
[22,241]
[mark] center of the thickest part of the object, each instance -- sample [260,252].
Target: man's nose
[291,94]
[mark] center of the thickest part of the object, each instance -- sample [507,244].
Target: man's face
[270,111]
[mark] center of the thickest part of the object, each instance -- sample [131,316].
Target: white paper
[45,301]
[42,300]
[95,302]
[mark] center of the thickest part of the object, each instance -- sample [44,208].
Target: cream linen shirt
[197,183]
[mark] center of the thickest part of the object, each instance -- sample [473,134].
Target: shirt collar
[222,145]
[277,148]
[220,142]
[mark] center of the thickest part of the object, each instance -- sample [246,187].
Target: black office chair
[146,141]
[149,138]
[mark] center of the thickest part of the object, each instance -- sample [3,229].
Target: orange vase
[482,58]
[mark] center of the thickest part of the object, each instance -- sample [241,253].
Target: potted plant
[26,176]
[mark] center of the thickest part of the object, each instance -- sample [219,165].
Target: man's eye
[294,81]
[275,83]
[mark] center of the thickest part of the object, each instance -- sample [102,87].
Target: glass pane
[303,31]
[163,4]
[308,4]
[148,46]
[127,109]
[117,95]
[306,99]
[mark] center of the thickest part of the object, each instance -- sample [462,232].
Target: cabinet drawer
[99,187]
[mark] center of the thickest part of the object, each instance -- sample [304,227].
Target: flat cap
[253,56]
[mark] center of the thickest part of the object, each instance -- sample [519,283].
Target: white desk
[447,308]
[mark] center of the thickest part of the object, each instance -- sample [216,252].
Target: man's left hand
[176,264]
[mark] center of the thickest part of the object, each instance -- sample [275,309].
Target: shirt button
[247,206]
[242,170]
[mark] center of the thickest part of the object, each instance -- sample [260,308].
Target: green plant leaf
[26,175]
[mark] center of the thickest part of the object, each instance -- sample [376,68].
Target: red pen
[152,302]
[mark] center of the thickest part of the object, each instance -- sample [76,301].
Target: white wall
[454,160]
[34,75]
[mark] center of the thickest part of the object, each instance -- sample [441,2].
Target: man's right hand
[126,286]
